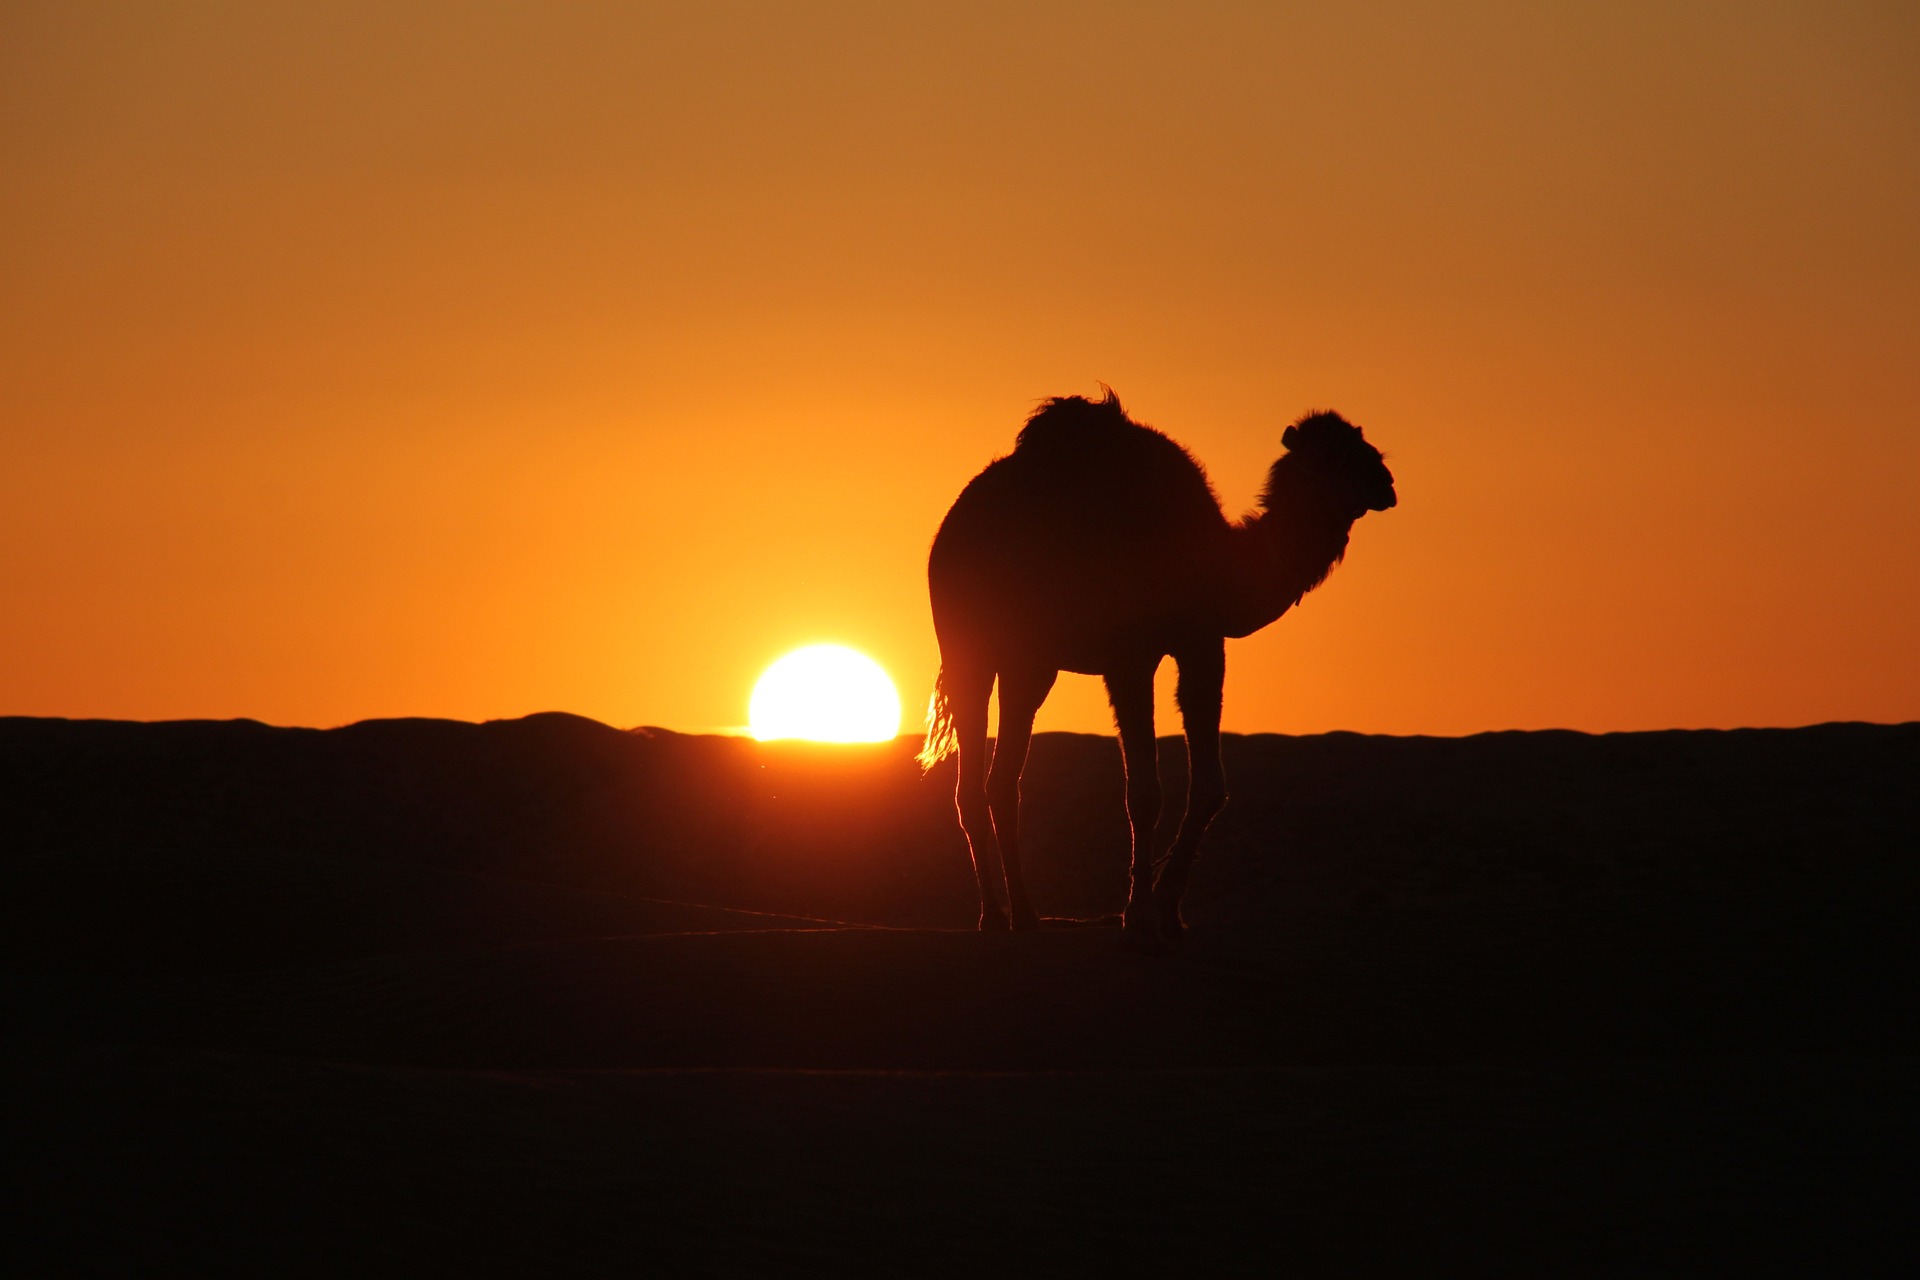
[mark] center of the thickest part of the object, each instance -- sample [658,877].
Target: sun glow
[826,693]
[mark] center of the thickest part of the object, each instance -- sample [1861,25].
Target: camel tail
[942,738]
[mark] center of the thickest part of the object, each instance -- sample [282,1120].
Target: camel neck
[1281,554]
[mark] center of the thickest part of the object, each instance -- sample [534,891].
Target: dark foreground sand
[269,1025]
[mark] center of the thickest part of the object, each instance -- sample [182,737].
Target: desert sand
[541,996]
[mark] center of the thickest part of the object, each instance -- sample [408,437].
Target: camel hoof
[1024,921]
[1139,930]
[992,922]
[1167,892]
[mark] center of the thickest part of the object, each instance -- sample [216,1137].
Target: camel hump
[1076,424]
[1082,453]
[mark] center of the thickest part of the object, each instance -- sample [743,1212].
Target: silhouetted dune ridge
[200,842]
[542,995]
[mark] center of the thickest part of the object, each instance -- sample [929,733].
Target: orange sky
[479,359]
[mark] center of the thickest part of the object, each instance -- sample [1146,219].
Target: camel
[1098,546]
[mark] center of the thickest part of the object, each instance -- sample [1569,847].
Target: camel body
[1098,546]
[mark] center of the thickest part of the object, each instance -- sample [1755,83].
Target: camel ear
[1288,436]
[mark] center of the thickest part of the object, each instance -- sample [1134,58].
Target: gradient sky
[478,359]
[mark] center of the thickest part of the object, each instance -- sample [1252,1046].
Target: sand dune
[199,846]
[421,997]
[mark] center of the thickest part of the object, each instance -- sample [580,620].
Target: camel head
[1330,460]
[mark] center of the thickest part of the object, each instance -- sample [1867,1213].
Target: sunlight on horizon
[825,693]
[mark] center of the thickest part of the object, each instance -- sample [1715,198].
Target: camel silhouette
[1099,546]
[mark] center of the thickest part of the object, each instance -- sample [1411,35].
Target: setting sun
[826,693]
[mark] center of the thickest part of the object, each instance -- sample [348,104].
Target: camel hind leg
[1021,693]
[967,691]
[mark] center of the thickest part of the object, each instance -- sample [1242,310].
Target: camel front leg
[1131,694]
[1021,693]
[1203,673]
